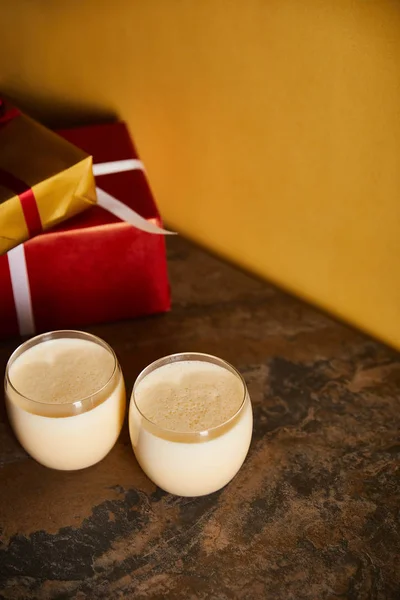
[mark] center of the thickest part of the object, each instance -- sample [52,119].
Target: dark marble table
[313,513]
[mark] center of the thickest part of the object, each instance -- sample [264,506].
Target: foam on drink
[61,371]
[189,396]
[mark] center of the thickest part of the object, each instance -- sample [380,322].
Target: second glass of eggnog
[190,422]
[65,398]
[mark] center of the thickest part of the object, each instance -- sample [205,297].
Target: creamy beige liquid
[62,371]
[196,397]
[189,396]
[60,428]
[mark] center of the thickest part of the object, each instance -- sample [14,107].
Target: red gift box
[94,267]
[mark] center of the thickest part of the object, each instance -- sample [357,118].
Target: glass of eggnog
[190,422]
[65,398]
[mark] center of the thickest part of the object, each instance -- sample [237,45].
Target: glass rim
[60,334]
[191,356]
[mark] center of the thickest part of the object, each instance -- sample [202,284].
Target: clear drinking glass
[191,463]
[72,435]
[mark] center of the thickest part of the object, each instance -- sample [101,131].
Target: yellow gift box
[43,179]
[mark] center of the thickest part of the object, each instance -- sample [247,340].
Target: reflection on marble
[313,513]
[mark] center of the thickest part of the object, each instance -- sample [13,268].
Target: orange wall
[270,129]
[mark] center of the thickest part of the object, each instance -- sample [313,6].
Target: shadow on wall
[57,112]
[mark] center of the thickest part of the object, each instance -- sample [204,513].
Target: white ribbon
[118,166]
[16,256]
[118,208]
[123,212]
[21,290]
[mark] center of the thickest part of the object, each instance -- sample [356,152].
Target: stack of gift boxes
[81,239]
